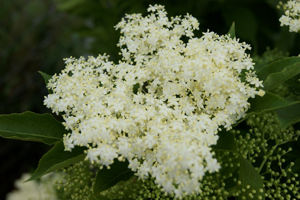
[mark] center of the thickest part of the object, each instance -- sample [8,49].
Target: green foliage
[269,102]
[131,189]
[225,142]
[275,74]
[31,126]
[108,177]
[289,115]
[276,66]
[276,78]
[250,179]
[45,76]
[267,57]
[231,31]
[278,71]
[57,158]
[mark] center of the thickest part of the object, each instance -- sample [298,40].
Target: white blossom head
[162,105]
[291,16]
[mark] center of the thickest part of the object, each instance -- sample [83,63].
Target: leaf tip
[231,31]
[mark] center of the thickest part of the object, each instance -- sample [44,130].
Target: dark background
[37,34]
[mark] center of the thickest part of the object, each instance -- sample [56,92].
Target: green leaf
[277,78]
[288,111]
[57,158]
[45,76]
[289,115]
[249,176]
[276,66]
[107,178]
[225,142]
[231,31]
[268,102]
[31,126]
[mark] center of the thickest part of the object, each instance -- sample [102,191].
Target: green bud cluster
[123,190]
[76,182]
[266,146]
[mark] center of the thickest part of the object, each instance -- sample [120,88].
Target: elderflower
[291,15]
[35,190]
[162,105]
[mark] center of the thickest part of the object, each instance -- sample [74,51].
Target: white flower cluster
[162,105]
[33,190]
[291,15]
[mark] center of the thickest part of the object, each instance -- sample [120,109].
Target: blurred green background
[37,34]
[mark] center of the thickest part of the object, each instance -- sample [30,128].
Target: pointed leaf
[275,79]
[249,176]
[276,66]
[231,31]
[268,102]
[57,158]
[45,76]
[107,178]
[31,126]
[289,115]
